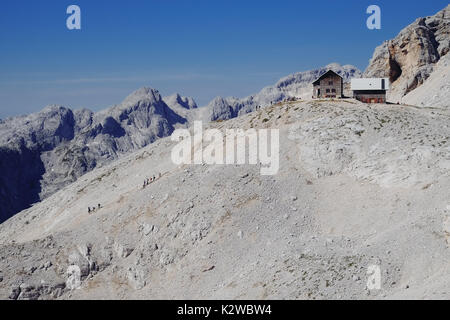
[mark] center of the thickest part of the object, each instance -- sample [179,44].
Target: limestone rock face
[183,106]
[45,151]
[435,91]
[409,59]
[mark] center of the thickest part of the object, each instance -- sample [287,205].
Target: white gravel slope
[358,185]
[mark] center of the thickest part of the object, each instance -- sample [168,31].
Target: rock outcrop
[435,91]
[297,85]
[409,59]
[43,152]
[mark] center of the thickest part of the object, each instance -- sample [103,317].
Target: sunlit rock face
[409,59]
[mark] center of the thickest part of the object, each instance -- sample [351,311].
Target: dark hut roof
[325,75]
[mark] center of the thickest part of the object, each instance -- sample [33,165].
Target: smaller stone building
[370,90]
[329,85]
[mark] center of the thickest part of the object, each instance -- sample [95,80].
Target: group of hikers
[93,208]
[150,180]
[146,183]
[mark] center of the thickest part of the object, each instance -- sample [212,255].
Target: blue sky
[199,48]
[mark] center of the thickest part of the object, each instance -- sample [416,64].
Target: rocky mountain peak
[409,58]
[143,94]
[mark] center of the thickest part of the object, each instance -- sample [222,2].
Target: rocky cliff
[409,59]
[435,91]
